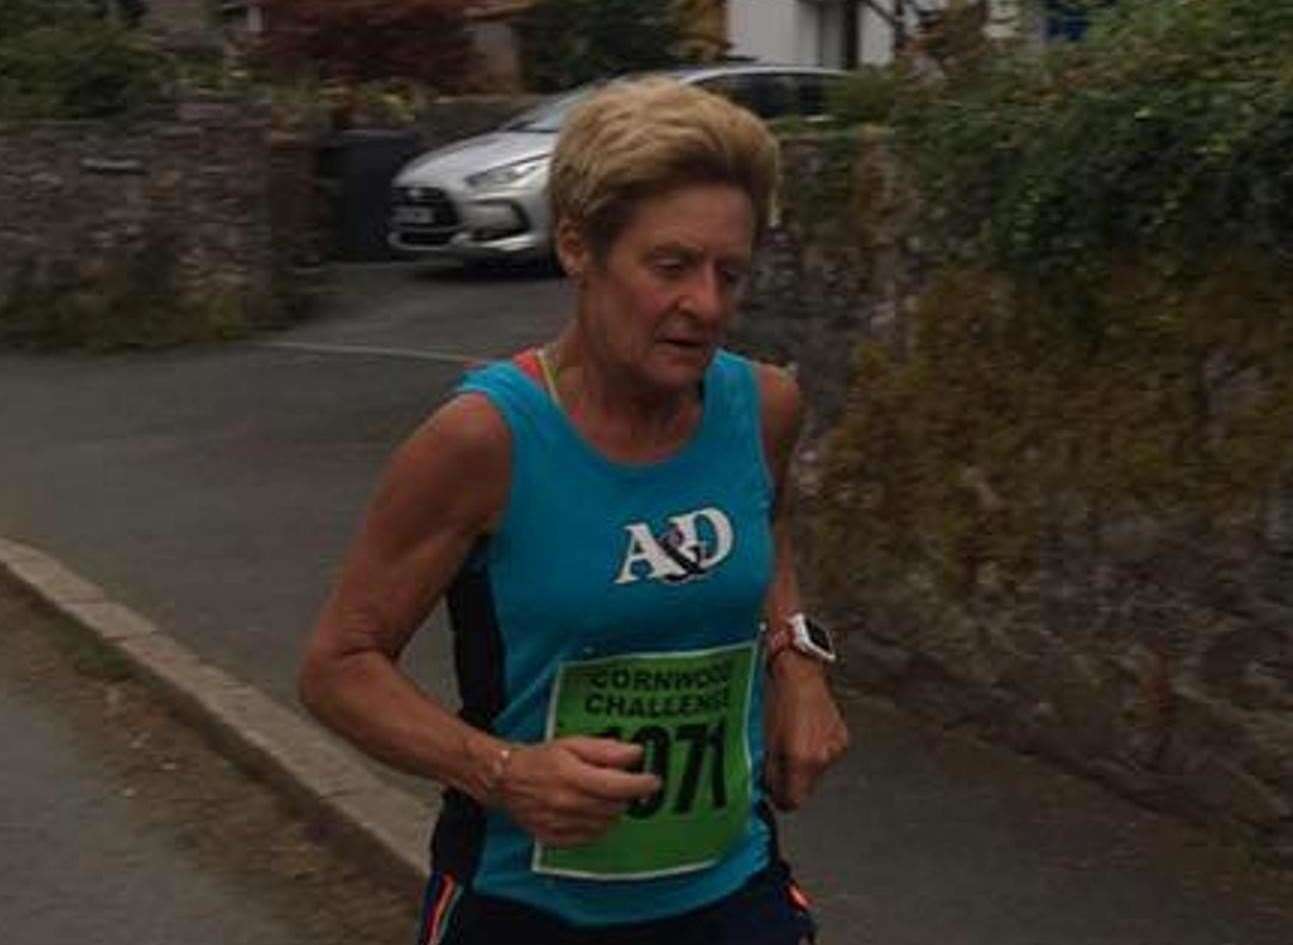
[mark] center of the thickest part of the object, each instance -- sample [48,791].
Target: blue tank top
[592,560]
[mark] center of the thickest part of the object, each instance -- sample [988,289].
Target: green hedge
[1098,371]
[60,61]
[133,301]
[564,43]
[1170,127]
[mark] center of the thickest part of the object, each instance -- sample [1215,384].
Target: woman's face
[657,306]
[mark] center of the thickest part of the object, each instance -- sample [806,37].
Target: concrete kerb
[378,823]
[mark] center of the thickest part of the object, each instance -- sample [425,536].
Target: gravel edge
[384,827]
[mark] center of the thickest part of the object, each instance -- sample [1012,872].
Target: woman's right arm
[443,489]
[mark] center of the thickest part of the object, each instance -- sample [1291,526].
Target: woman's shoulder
[514,385]
[780,400]
[780,404]
[495,374]
[451,472]
[466,436]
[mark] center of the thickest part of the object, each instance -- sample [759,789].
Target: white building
[842,33]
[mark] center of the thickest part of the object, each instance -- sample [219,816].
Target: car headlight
[507,175]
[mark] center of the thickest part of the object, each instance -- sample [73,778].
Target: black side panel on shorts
[479,661]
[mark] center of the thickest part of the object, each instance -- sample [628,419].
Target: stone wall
[836,268]
[176,196]
[1162,667]
[199,213]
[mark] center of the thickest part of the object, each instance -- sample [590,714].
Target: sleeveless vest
[622,600]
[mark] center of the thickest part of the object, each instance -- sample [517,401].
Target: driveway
[215,489]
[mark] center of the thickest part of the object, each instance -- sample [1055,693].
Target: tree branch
[879,8]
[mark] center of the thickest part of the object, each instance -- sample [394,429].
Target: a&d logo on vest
[690,547]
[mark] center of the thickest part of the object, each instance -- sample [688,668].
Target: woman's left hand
[805,732]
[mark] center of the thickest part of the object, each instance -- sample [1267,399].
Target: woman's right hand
[570,791]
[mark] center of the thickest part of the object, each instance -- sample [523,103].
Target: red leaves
[365,40]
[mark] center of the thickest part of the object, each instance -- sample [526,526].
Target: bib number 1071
[681,783]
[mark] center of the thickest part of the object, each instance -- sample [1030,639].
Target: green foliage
[130,302]
[1103,360]
[1168,128]
[310,106]
[568,42]
[868,96]
[19,16]
[957,458]
[60,61]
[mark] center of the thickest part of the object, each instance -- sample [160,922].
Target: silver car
[486,198]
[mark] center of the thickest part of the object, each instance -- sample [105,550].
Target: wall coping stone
[113,165]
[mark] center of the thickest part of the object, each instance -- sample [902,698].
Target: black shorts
[767,910]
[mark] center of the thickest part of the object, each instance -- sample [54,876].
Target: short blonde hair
[640,138]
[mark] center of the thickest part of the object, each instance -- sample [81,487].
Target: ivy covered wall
[1049,315]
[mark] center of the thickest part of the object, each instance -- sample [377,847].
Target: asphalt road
[214,490]
[87,873]
[120,825]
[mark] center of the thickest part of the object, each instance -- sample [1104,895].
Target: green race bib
[690,712]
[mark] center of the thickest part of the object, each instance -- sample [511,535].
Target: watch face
[819,636]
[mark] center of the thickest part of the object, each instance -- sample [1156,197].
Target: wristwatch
[800,633]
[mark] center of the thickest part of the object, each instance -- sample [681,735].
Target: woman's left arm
[804,730]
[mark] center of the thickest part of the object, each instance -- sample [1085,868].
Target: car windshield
[550,114]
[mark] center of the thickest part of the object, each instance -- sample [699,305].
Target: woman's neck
[612,408]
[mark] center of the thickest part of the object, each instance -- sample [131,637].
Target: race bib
[689,711]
